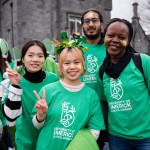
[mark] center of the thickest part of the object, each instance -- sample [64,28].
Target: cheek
[64,68]
[106,41]
[79,67]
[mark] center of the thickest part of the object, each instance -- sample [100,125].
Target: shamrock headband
[59,46]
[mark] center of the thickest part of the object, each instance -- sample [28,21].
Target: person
[3,124]
[19,102]
[64,107]
[125,91]
[7,57]
[92,24]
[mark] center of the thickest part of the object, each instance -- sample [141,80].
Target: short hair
[77,52]
[126,22]
[93,10]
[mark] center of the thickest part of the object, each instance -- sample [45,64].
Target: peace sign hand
[13,75]
[41,106]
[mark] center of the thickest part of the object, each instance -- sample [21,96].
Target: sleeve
[36,123]
[96,117]
[146,68]
[103,100]
[95,133]
[100,87]
[12,107]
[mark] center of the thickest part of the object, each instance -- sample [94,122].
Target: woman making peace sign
[67,106]
[21,100]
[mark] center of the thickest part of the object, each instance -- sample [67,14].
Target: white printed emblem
[116,88]
[67,116]
[92,64]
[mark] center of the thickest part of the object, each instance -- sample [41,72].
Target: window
[74,25]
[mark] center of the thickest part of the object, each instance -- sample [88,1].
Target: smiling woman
[73,106]
[125,89]
[20,100]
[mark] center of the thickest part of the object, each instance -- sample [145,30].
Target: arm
[12,103]
[12,106]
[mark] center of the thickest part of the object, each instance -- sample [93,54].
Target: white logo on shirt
[67,115]
[92,64]
[116,89]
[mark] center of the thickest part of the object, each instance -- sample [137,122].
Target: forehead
[91,14]
[71,55]
[35,49]
[118,26]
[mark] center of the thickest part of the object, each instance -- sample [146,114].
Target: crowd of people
[92,99]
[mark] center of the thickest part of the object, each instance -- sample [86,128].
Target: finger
[7,64]
[44,95]
[36,95]
[15,65]
[11,71]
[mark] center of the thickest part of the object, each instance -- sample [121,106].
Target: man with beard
[92,23]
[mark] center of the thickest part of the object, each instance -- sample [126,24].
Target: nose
[115,39]
[72,65]
[35,58]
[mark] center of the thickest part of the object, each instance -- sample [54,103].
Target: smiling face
[34,59]
[92,28]
[116,39]
[71,66]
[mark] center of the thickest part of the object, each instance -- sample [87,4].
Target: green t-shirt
[94,56]
[68,112]
[129,101]
[26,133]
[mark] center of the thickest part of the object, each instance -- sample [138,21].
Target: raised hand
[41,106]
[13,75]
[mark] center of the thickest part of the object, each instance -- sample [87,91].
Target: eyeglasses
[94,21]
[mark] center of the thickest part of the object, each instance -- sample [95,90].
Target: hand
[41,106]
[13,75]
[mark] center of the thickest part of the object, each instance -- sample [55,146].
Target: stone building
[140,41]
[23,20]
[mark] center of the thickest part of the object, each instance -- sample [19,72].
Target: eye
[86,21]
[66,63]
[122,38]
[110,35]
[77,62]
[95,20]
[41,56]
[29,55]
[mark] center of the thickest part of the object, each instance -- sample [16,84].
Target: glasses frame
[88,20]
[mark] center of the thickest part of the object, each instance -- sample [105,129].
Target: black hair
[2,63]
[32,43]
[93,10]
[128,24]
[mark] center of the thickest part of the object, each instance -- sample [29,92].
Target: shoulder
[89,90]
[50,74]
[51,86]
[144,56]
[145,59]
